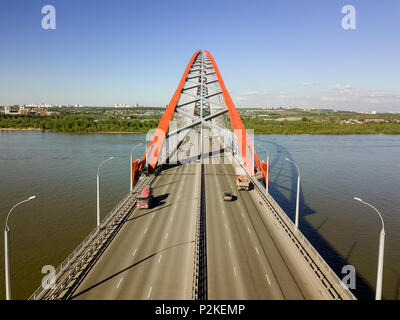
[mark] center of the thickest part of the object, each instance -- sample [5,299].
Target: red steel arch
[246,147]
[162,128]
[237,124]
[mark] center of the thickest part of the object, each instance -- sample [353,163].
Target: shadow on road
[283,184]
[127,268]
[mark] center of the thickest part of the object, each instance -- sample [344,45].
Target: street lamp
[298,192]
[134,147]
[98,188]
[267,173]
[7,260]
[378,293]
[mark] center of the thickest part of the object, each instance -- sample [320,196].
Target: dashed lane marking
[267,278]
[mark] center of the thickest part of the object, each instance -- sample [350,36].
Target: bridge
[191,244]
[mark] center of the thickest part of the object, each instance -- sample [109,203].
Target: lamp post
[378,294]
[147,160]
[134,147]
[98,188]
[298,192]
[267,173]
[7,260]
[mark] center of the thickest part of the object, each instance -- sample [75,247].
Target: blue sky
[270,53]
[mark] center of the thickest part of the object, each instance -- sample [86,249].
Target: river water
[61,170]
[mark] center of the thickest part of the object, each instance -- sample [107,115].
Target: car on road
[228,196]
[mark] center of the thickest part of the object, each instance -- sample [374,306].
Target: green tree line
[76,123]
[87,123]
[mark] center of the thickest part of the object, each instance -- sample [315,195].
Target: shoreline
[70,132]
[129,132]
[20,129]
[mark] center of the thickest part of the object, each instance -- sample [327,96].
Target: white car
[228,196]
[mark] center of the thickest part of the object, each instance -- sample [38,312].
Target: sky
[270,53]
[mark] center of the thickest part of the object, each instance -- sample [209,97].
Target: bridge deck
[152,256]
[248,257]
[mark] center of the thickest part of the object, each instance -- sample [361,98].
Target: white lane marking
[242,214]
[148,296]
[248,229]
[159,259]
[145,230]
[134,252]
[234,270]
[230,245]
[267,278]
[257,251]
[226,227]
[172,218]
[166,236]
[119,282]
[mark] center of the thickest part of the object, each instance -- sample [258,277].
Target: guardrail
[195,288]
[306,248]
[64,271]
[304,244]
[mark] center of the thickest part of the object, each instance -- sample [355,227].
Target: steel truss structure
[201,97]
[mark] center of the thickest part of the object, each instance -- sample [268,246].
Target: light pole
[267,173]
[147,160]
[98,188]
[378,293]
[134,147]
[298,192]
[7,260]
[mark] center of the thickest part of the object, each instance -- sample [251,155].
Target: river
[60,169]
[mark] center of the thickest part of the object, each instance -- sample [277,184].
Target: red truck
[145,198]
[242,183]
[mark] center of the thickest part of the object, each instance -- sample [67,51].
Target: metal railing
[305,247]
[195,289]
[64,271]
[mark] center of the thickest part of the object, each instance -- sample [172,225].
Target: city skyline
[271,53]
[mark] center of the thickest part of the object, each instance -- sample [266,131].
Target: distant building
[123,105]
[10,110]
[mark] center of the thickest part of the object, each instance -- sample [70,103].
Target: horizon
[130,53]
[243,108]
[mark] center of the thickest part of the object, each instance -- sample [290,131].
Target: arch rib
[162,128]
[237,124]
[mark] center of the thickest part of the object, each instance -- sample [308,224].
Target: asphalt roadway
[152,256]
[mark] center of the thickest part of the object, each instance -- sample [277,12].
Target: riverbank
[95,123]
[20,129]
[342,130]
